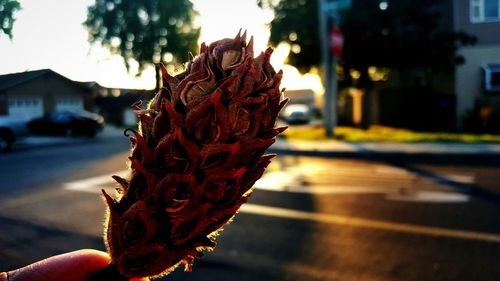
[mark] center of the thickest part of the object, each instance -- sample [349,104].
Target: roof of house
[13,79]
[10,80]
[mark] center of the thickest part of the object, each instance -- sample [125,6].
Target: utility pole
[328,14]
[329,110]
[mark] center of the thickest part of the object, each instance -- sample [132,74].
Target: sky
[50,34]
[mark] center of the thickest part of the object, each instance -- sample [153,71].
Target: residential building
[31,94]
[302,96]
[477,81]
[467,98]
[116,105]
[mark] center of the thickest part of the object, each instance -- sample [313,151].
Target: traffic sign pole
[329,110]
[329,9]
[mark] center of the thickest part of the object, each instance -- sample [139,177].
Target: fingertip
[92,253]
[79,265]
[95,260]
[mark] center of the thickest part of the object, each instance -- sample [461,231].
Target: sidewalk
[340,148]
[319,148]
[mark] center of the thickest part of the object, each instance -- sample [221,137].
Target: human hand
[74,266]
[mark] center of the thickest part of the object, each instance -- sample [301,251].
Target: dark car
[10,129]
[67,123]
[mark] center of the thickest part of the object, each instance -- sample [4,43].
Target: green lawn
[384,134]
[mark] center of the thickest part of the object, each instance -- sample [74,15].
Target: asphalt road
[308,219]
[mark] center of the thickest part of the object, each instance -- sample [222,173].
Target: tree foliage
[406,34]
[7,10]
[148,31]
[296,23]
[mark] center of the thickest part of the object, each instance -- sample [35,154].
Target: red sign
[336,42]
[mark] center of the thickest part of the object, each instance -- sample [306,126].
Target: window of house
[491,77]
[484,10]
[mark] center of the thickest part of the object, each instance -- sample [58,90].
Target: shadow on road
[483,193]
[23,242]
[259,247]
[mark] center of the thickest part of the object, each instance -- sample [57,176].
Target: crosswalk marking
[95,184]
[273,181]
[392,171]
[385,180]
[283,182]
[427,196]
[400,189]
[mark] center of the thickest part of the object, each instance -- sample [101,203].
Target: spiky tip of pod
[199,151]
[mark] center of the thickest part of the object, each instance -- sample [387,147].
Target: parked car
[68,123]
[296,114]
[10,129]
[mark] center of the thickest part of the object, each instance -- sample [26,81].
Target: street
[309,218]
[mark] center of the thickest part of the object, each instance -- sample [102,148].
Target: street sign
[336,42]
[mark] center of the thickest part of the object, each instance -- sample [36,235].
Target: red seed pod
[199,151]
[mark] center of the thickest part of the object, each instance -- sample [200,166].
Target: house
[303,96]
[477,81]
[116,105]
[464,98]
[31,94]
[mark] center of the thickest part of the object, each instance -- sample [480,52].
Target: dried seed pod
[199,151]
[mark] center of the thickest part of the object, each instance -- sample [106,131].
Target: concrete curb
[388,150]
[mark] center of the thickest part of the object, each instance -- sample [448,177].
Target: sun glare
[292,78]
[59,41]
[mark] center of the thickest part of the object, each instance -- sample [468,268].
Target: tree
[7,10]
[414,39]
[296,23]
[148,31]
[404,34]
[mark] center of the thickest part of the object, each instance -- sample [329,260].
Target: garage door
[69,104]
[25,108]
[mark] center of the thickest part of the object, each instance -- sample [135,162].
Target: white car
[296,114]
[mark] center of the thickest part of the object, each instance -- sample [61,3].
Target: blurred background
[388,171]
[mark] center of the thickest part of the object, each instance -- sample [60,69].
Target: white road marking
[469,178]
[461,178]
[281,181]
[274,181]
[368,223]
[338,189]
[429,197]
[390,170]
[290,182]
[95,184]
